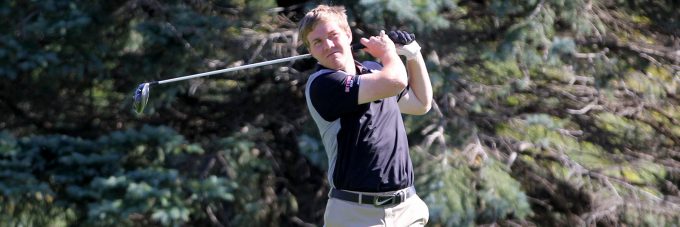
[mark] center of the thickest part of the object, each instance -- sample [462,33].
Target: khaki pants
[412,212]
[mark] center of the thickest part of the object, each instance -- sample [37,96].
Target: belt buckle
[380,201]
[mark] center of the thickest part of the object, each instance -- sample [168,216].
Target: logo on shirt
[349,82]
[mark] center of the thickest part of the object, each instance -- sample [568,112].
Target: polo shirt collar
[360,68]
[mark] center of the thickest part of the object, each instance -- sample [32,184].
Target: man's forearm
[419,80]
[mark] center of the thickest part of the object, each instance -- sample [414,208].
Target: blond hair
[322,13]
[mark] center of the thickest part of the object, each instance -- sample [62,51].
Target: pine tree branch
[34,120]
[212,217]
[614,43]
[668,133]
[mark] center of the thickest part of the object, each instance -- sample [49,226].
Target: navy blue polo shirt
[366,144]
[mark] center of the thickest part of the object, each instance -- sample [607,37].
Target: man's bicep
[374,87]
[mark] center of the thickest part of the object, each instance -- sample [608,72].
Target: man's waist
[358,178]
[374,198]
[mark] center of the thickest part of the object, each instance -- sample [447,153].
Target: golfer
[357,108]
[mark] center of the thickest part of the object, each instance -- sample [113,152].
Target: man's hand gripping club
[380,46]
[391,79]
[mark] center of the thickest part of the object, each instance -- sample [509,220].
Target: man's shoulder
[371,65]
[326,75]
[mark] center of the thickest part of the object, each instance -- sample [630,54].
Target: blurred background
[547,112]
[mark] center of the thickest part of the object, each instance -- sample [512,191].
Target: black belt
[375,200]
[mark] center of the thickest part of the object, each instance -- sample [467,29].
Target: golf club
[141,96]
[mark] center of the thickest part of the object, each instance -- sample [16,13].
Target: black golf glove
[401,37]
[407,45]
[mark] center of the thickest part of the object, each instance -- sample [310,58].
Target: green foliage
[460,196]
[544,136]
[253,171]
[123,178]
[501,196]
[451,197]
[624,131]
[420,16]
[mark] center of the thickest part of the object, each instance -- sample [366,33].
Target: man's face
[329,43]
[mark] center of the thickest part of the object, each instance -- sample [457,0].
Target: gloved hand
[406,44]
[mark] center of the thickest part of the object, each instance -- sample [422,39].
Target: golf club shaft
[293,58]
[355,47]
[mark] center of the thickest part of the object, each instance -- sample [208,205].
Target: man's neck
[350,67]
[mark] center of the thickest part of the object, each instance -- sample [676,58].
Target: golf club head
[141,97]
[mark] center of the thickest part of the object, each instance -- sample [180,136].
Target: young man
[357,108]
